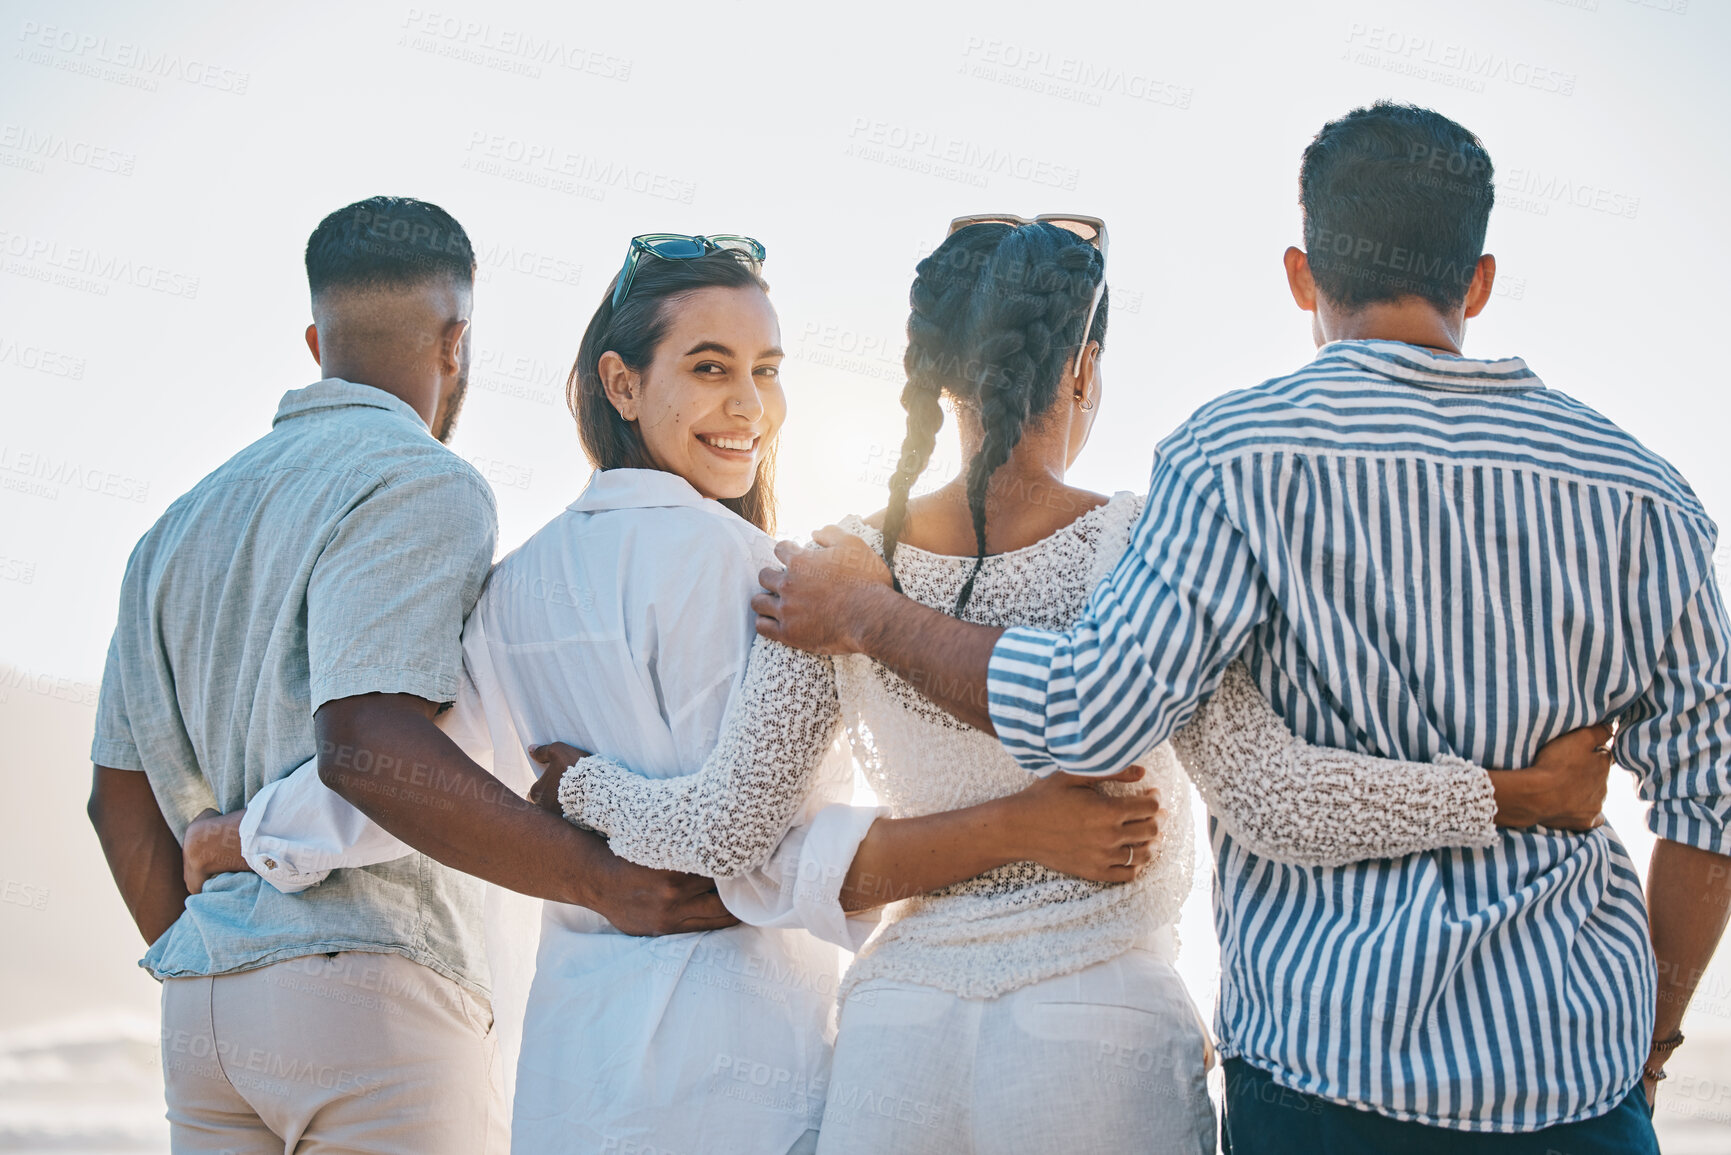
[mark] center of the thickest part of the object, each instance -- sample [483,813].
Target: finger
[718,922]
[766,605]
[1144,829]
[830,536]
[1131,858]
[1128,774]
[703,907]
[771,578]
[539,754]
[771,629]
[1602,734]
[1135,807]
[687,887]
[786,551]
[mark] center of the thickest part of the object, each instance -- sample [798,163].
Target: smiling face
[709,404]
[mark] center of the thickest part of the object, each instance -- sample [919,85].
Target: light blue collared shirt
[336,556]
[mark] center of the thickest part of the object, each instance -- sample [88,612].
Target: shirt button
[270,863]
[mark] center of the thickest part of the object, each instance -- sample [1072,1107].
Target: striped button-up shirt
[1417,554]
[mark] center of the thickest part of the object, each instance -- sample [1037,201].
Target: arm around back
[141,850]
[383,753]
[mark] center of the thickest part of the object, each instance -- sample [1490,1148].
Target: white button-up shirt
[623,627]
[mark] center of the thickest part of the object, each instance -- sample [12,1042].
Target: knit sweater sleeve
[726,818]
[1283,798]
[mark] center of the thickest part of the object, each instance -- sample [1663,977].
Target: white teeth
[740,443]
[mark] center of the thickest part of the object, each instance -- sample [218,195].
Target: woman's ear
[1086,392]
[619,383]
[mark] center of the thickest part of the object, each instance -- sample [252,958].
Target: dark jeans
[1264,1118]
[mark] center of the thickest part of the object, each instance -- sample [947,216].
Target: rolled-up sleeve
[296,830]
[1152,642]
[1677,736]
[389,593]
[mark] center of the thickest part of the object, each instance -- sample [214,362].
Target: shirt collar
[1412,365]
[640,489]
[335,393]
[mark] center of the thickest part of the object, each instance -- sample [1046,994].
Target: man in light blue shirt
[308,597]
[1416,554]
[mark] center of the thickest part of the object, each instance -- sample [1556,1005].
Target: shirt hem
[1468,1126]
[330,946]
[116,757]
[353,683]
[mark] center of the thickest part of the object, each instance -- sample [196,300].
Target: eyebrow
[723,350]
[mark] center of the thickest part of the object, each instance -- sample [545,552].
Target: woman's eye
[771,371]
[710,368]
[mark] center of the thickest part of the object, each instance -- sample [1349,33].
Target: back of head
[634,330]
[996,317]
[388,243]
[1396,199]
[376,266]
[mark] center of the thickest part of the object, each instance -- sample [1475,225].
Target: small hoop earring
[1087,406]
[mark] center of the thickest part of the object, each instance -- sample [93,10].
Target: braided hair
[995,319]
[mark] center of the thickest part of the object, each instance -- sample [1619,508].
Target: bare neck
[1409,321]
[1027,499]
[416,390]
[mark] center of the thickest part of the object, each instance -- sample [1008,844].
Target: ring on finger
[1131,861]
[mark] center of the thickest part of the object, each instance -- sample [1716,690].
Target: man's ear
[1479,292]
[313,343]
[1299,280]
[619,383]
[451,346]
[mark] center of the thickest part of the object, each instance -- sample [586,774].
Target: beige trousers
[352,1052]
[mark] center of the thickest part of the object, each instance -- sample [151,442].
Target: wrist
[587,883]
[1517,793]
[1009,832]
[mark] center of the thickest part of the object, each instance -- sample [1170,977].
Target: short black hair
[388,242]
[1396,199]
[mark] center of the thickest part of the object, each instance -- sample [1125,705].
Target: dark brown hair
[634,331]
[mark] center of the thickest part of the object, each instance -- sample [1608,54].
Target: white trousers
[1111,1058]
[352,1053]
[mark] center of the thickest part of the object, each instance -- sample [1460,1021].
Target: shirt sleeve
[114,746]
[389,592]
[728,817]
[800,884]
[297,830]
[1280,797]
[1152,641]
[1677,735]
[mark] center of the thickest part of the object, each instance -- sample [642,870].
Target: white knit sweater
[1020,923]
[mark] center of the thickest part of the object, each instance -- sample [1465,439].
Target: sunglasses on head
[1090,229]
[680,247]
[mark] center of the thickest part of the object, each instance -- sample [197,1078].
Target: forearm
[944,658]
[1282,798]
[141,850]
[384,754]
[902,857]
[1688,900]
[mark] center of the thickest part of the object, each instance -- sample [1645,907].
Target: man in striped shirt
[1416,554]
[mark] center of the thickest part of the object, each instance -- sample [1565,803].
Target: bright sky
[162,165]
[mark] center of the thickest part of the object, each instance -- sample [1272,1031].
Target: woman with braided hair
[1024,1008]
